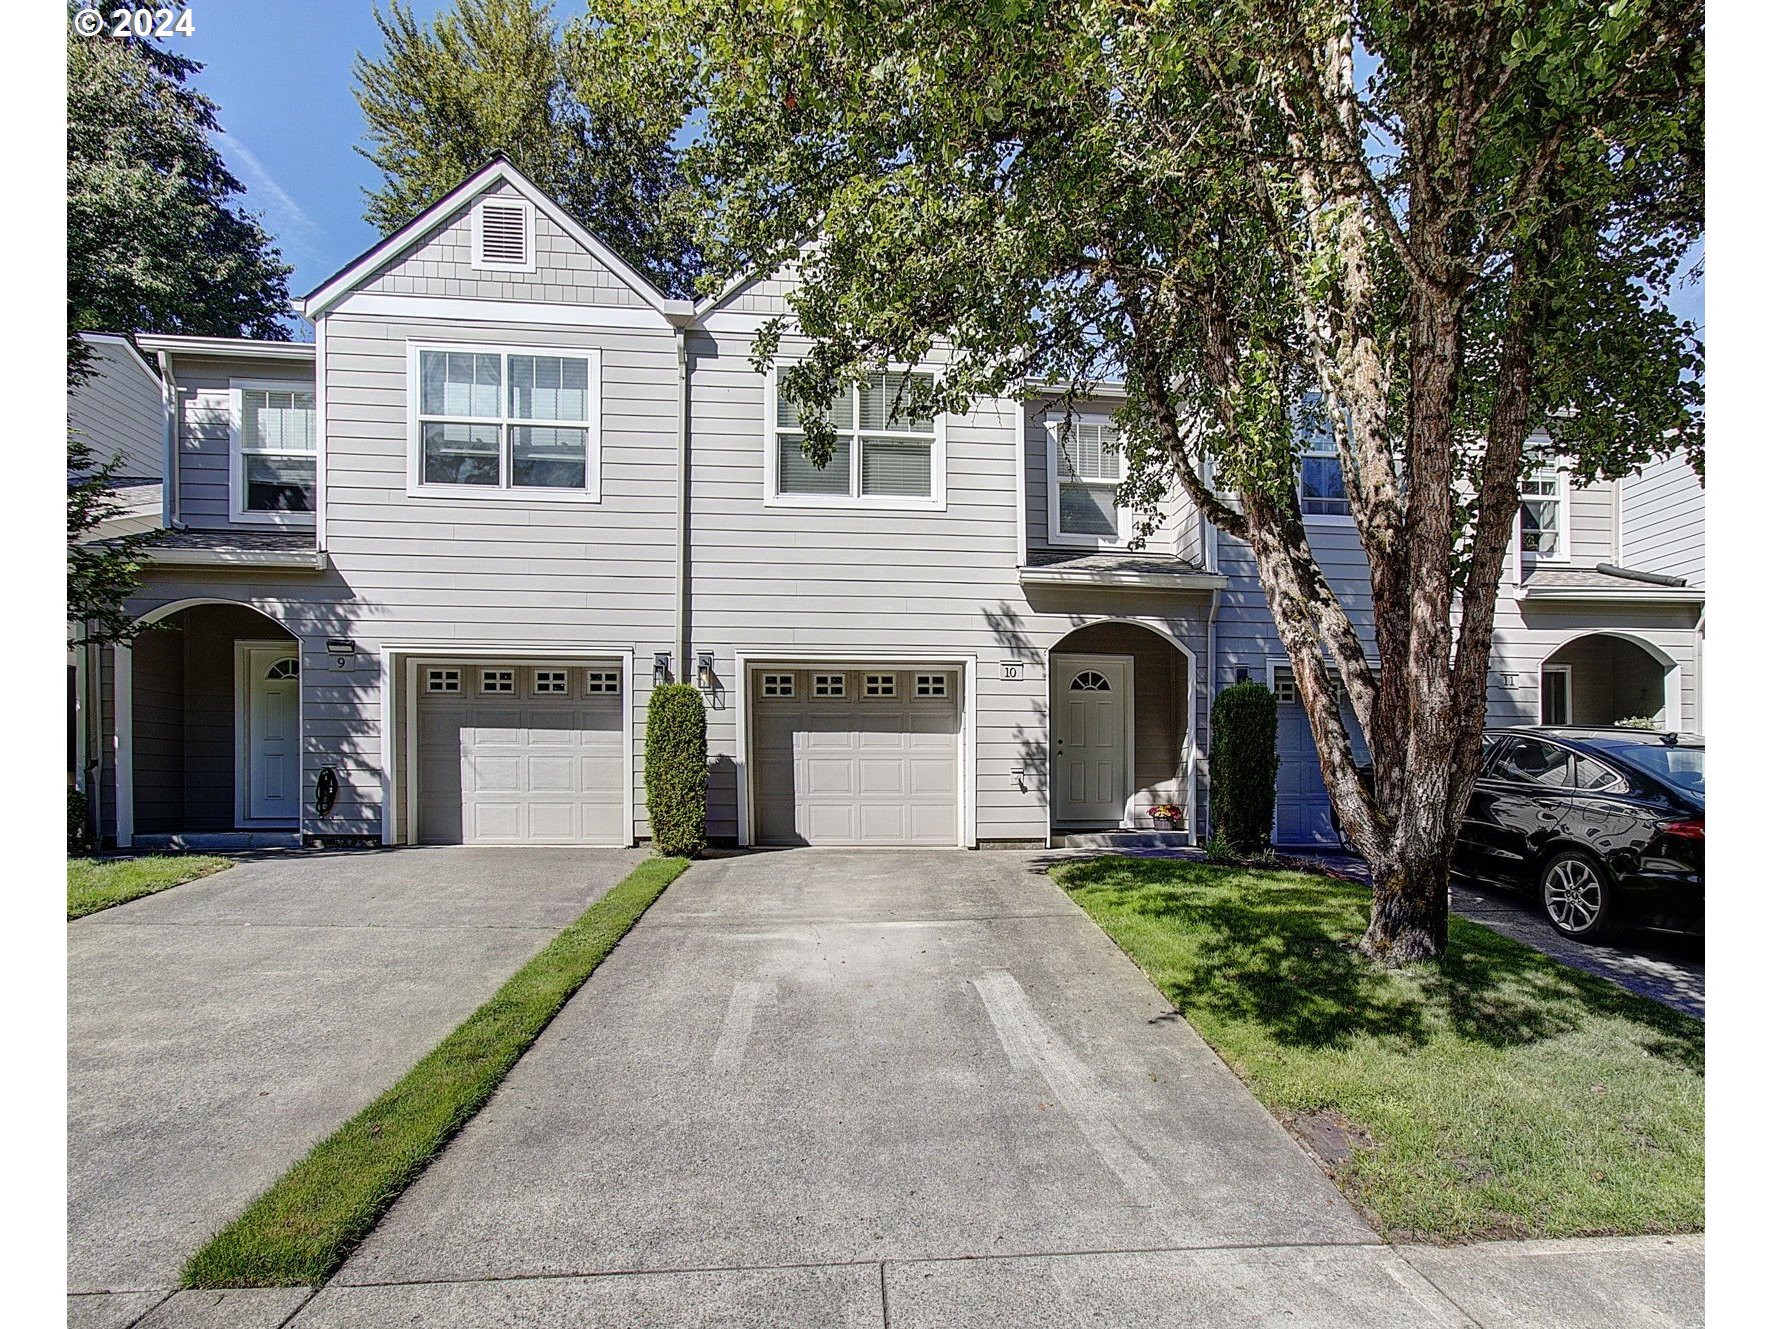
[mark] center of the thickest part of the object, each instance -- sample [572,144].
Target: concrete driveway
[820,1087]
[217,1031]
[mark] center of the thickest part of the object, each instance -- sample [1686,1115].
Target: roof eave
[293,560]
[1131,581]
[1624,595]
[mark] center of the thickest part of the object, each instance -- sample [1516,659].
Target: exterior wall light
[704,671]
[661,668]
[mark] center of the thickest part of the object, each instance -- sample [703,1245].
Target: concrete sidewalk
[217,1031]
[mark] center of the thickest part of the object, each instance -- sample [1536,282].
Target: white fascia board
[325,297]
[1134,581]
[1648,595]
[301,560]
[230,347]
[447,308]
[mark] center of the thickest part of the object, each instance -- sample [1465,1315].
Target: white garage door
[520,754]
[856,756]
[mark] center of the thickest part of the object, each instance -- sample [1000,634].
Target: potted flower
[1167,816]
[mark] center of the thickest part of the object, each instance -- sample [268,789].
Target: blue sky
[280,71]
[281,74]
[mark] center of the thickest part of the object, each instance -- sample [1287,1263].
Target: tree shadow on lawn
[1277,949]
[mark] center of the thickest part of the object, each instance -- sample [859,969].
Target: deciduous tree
[1454,223]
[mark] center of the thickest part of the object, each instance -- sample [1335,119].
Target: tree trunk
[1409,904]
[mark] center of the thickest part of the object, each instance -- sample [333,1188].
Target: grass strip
[1495,1093]
[100,883]
[306,1225]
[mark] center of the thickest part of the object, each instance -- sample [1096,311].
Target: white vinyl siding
[882,456]
[273,454]
[507,422]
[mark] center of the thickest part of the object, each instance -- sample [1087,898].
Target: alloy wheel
[1573,895]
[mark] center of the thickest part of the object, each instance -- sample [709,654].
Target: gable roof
[498,170]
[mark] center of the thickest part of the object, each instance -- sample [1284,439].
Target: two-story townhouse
[427,570]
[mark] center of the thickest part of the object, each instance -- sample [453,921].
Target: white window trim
[1528,556]
[1325,518]
[237,511]
[593,490]
[1123,515]
[938,463]
[1568,673]
[482,264]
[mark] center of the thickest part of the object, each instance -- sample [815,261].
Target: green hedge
[1245,763]
[677,770]
[78,840]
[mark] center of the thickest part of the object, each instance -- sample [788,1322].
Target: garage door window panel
[506,422]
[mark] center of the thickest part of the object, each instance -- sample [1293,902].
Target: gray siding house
[424,573]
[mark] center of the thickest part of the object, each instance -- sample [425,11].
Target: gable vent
[502,235]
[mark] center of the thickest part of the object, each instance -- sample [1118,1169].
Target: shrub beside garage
[1245,765]
[677,770]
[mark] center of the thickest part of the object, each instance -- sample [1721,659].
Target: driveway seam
[339,1281]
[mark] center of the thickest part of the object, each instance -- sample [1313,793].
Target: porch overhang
[289,551]
[1119,571]
[1606,584]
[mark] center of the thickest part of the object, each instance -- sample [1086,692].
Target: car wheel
[1577,896]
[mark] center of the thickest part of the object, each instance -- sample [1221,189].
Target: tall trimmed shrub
[677,770]
[1245,764]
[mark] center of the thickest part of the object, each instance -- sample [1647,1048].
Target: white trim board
[463,309]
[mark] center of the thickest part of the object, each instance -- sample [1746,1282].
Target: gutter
[685,664]
[1645,594]
[169,501]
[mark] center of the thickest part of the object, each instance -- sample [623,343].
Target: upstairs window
[885,455]
[273,467]
[1087,468]
[1544,504]
[1322,491]
[504,234]
[505,422]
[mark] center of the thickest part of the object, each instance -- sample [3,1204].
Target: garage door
[846,756]
[520,754]
[1301,803]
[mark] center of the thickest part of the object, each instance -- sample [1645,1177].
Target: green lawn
[99,883]
[310,1220]
[1495,1094]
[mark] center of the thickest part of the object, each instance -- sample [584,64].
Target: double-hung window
[505,422]
[1086,471]
[885,454]
[1544,502]
[272,470]
[1322,491]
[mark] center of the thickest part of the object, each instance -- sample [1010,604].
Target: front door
[270,743]
[1091,743]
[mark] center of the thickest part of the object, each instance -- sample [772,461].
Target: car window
[1591,774]
[1532,762]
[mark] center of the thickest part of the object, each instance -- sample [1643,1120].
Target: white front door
[270,745]
[1091,738]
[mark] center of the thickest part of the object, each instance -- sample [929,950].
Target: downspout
[685,662]
[170,497]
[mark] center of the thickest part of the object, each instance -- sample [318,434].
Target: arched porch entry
[1122,728]
[1603,678]
[208,721]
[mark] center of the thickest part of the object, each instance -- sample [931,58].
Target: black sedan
[1606,826]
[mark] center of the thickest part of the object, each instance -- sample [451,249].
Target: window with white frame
[1544,504]
[880,685]
[1087,468]
[932,685]
[885,453]
[827,685]
[549,681]
[275,456]
[1322,491]
[498,680]
[512,422]
[598,681]
[778,685]
[442,680]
